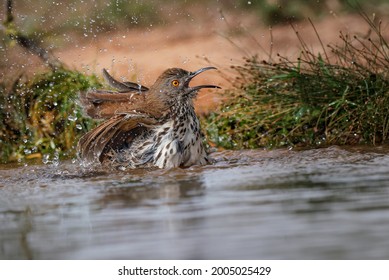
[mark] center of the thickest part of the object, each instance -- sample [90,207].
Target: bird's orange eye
[175,83]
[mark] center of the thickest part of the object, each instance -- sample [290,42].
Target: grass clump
[339,97]
[40,118]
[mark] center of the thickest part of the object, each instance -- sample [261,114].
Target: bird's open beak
[194,74]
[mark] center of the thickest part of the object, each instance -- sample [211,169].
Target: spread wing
[103,104]
[113,134]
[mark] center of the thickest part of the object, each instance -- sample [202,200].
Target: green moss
[310,102]
[41,118]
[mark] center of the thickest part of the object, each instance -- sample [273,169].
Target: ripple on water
[320,203]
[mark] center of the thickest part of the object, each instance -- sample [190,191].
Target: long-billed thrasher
[145,127]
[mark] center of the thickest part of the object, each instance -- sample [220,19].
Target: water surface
[330,203]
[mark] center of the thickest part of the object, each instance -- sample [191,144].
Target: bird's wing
[123,87]
[103,104]
[112,135]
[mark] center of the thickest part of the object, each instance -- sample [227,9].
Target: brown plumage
[145,127]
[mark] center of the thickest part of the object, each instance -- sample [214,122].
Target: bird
[145,127]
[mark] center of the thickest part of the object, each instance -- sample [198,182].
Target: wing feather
[102,104]
[113,134]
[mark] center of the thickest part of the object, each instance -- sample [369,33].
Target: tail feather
[122,87]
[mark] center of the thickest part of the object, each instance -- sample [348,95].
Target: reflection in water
[129,194]
[14,241]
[315,204]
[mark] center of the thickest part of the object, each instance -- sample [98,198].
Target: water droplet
[72,118]
[55,160]
[46,159]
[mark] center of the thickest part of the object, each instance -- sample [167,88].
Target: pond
[328,203]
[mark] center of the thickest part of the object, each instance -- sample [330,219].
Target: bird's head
[173,84]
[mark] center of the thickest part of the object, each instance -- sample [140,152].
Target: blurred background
[138,39]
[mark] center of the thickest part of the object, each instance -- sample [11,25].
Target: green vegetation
[40,118]
[285,11]
[337,97]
